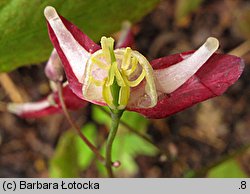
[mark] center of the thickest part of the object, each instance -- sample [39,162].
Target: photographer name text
[42,185]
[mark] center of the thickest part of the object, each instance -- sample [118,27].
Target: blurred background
[211,139]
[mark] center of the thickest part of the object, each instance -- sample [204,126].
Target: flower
[51,104]
[48,105]
[155,89]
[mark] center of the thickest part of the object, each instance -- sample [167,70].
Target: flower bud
[54,69]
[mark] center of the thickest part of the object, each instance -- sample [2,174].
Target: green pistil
[114,88]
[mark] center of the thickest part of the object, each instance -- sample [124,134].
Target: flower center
[122,70]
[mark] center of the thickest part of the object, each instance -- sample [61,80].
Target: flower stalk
[136,132]
[115,116]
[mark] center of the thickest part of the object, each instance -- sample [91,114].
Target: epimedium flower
[51,104]
[122,78]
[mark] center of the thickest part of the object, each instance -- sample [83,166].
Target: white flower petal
[169,79]
[74,52]
[22,108]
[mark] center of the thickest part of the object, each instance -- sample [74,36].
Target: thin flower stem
[136,132]
[74,125]
[115,116]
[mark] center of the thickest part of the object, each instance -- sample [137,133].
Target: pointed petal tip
[50,13]
[212,44]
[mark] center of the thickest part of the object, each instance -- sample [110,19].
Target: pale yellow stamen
[134,64]
[137,81]
[124,94]
[118,75]
[107,96]
[111,76]
[96,82]
[126,59]
[99,63]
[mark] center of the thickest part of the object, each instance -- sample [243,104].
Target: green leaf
[99,116]
[23,32]
[85,155]
[132,146]
[135,120]
[127,146]
[72,155]
[228,169]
